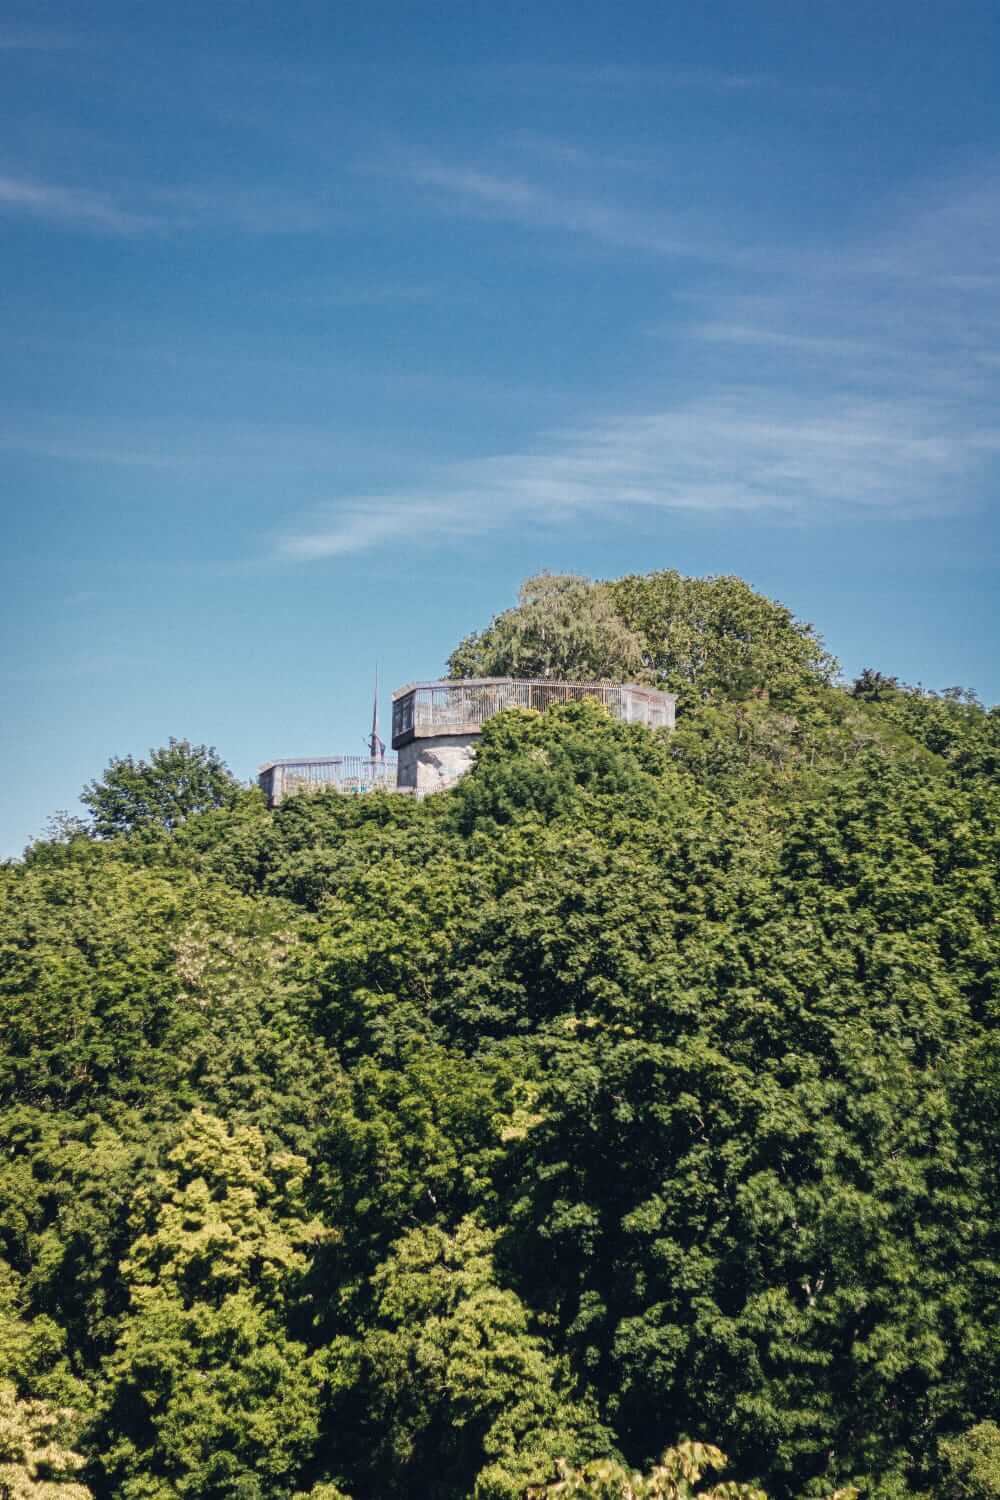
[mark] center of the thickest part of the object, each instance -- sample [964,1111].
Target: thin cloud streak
[564,154]
[265,210]
[739,453]
[375,294]
[360,526]
[916,311]
[262,210]
[66,205]
[485,194]
[868,387]
[617,78]
[800,343]
[947,242]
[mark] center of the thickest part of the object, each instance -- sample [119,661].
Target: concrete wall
[272,784]
[432,764]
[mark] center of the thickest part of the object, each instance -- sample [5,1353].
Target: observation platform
[351,774]
[424,710]
[435,725]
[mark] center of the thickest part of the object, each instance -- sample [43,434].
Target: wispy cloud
[624,78]
[393,433]
[816,346]
[760,453]
[864,385]
[371,294]
[912,312]
[262,210]
[129,451]
[575,155]
[475,191]
[357,526]
[70,206]
[945,237]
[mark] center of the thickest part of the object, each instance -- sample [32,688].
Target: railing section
[465,706]
[344,773]
[640,707]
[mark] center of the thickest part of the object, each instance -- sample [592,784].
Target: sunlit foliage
[639,1091]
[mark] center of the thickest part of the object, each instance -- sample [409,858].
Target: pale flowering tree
[36,1462]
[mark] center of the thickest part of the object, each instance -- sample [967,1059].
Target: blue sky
[323,325]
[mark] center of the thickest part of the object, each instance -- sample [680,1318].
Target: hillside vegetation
[640,1092]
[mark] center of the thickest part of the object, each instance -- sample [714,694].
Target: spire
[376,745]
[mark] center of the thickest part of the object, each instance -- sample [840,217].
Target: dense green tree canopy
[640,1092]
[178,779]
[562,627]
[706,639]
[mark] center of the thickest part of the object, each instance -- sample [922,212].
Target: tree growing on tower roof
[563,626]
[706,639]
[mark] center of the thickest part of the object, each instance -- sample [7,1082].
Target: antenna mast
[376,745]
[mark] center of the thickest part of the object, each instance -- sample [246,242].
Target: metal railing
[350,774]
[463,706]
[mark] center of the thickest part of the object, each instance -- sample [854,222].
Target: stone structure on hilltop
[351,774]
[435,726]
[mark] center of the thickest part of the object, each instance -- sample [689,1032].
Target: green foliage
[706,639]
[562,627]
[35,1462]
[449,1373]
[178,779]
[640,1086]
[874,687]
[205,1390]
[972,1464]
[715,638]
[672,1478]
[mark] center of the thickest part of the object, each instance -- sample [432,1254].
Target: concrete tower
[435,725]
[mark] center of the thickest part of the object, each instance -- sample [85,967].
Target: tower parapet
[435,725]
[350,774]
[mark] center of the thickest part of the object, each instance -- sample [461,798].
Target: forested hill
[640,1089]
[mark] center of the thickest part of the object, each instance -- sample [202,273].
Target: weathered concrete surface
[431,765]
[351,775]
[460,706]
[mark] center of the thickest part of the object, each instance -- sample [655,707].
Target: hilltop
[643,1087]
